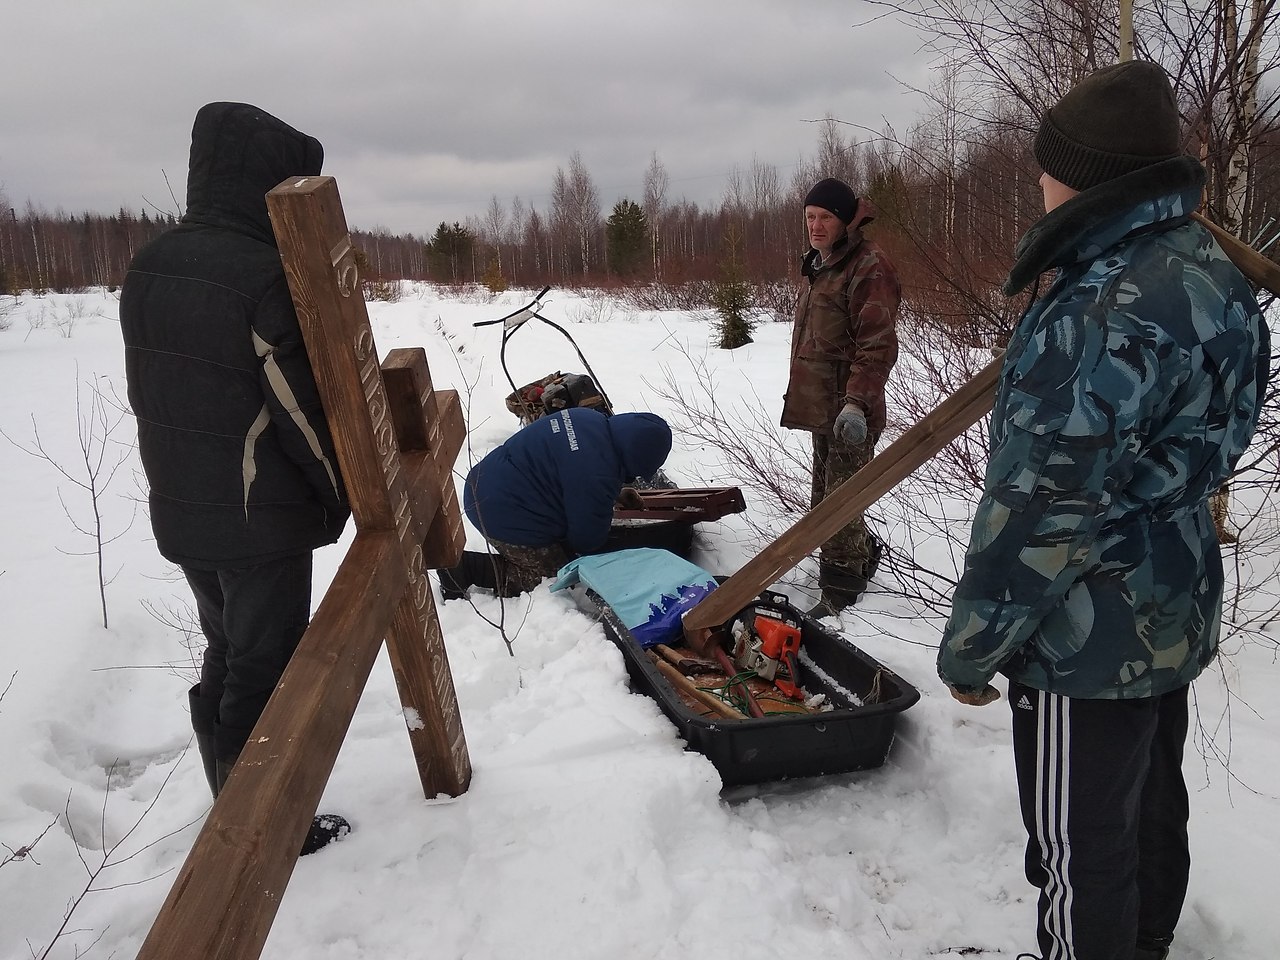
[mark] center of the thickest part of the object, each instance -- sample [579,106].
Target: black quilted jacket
[230,428]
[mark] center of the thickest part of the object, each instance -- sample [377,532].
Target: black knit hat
[1116,120]
[834,195]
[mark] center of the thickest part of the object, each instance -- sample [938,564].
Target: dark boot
[825,607]
[453,584]
[475,569]
[223,768]
[204,714]
[876,552]
[325,827]
[840,589]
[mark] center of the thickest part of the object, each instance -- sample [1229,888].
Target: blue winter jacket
[556,480]
[1128,393]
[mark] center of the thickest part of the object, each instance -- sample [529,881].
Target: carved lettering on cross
[396,458]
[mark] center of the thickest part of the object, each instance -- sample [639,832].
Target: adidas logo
[1024,703]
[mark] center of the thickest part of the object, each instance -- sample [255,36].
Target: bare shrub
[776,298]
[94,473]
[386,291]
[694,295]
[468,292]
[72,312]
[98,872]
[27,850]
[593,309]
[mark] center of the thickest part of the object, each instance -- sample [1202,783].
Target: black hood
[238,154]
[642,440]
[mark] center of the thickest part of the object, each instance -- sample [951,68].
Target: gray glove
[851,425]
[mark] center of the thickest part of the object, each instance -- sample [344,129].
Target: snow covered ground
[588,831]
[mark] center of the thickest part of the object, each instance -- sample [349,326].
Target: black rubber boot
[476,569]
[1154,950]
[840,589]
[830,603]
[204,714]
[223,768]
[453,584]
[873,561]
[325,829]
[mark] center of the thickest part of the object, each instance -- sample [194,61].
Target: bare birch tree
[654,206]
[575,209]
[495,228]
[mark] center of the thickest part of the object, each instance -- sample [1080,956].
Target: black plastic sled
[867,698]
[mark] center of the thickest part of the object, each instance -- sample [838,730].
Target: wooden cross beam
[396,440]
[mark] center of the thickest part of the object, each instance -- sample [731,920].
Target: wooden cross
[396,440]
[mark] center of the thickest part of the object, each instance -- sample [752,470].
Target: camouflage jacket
[844,343]
[1127,394]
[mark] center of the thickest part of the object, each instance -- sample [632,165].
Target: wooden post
[396,443]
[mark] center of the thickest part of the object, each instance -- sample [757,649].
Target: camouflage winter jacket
[843,344]
[1127,394]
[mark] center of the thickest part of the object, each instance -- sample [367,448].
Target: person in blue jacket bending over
[547,495]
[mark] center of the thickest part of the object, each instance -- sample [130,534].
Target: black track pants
[252,619]
[1105,807]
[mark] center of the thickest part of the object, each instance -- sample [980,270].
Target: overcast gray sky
[427,109]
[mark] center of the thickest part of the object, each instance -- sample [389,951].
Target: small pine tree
[731,296]
[449,252]
[626,239]
[493,278]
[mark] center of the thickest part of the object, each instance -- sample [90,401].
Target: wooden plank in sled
[688,504]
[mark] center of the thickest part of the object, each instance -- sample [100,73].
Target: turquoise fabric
[648,589]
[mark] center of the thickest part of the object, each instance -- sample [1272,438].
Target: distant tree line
[40,251]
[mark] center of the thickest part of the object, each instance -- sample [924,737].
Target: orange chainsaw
[766,641]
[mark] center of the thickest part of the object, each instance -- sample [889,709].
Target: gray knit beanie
[1115,121]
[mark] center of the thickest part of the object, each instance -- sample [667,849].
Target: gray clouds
[427,109]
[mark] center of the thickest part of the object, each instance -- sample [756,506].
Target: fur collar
[1097,218]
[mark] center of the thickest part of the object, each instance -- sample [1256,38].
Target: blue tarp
[648,589]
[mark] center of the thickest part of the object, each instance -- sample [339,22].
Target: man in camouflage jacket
[843,346]
[1093,579]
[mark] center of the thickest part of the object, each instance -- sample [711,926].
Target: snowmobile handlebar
[516,317]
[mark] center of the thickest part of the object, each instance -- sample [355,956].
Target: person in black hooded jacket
[244,479]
